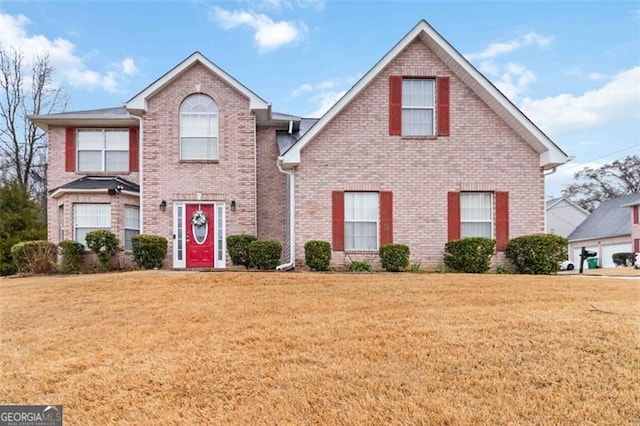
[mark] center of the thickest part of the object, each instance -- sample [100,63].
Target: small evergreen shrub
[501,270]
[36,257]
[469,255]
[265,254]
[317,255]
[537,253]
[359,266]
[622,259]
[105,245]
[238,249]
[441,269]
[149,251]
[71,256]
[394,257]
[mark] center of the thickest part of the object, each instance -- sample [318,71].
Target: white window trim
[216,135]
[103,151]
[75,222]
[492,214]
[377,222]
[432,108]
[125,228]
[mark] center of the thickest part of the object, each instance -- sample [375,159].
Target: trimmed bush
[359,266]
[622,259]
[394,257]
[265,254]
[71,256]
[149,251]
[238,249]
[317,255]
[537,253]
[36,257]
[105,245]
[469,255]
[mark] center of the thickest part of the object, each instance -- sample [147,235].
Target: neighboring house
[608,230]
[634,206]
[422,150]
[563,216]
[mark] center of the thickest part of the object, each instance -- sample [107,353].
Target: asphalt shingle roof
[100,182]
[609,219]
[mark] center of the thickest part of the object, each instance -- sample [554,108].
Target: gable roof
[552,202]
[550,154]
[138,103]
[610,219]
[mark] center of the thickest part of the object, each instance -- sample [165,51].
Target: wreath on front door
[199,218]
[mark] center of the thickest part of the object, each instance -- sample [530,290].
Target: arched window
[198,128]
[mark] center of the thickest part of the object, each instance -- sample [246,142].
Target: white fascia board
[550,154]
[139,101]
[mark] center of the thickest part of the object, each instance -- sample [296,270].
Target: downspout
[255,175]
[140,174]
[292,226]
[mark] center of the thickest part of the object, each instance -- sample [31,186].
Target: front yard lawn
[163,347]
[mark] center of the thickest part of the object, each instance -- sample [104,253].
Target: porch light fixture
[233,205]
[163,205]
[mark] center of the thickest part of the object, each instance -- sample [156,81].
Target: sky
[571,67]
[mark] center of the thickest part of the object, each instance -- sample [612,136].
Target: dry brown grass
[272,348]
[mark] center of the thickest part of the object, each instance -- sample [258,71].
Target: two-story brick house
[423,149]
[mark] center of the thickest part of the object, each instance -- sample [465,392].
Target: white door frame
[219,233]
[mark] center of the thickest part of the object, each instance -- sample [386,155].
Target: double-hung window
[418,107]
[476,214]
[90,217]
[131,225]
[103,150]
[198,128]
[361,220]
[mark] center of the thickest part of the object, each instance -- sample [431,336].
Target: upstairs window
[198,128]
[418,107]
[103,150]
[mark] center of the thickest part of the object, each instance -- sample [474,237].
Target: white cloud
[596,76]
[564,176]
[269,35]
[129,66]
[303,88]
[512,79]
[618,99]
[497,49]
[70,67]
[324,101]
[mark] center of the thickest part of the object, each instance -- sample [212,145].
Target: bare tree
[611,180]
[26,90]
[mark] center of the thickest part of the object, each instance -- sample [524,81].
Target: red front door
[200,225]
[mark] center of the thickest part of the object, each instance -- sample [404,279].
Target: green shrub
[501,269]
[470,255]
[36,257]
[394,257]
[359,266]
[238,248]
[317,255]
[105,245]
[264,254]
[71,256]
[537,253]
[441,269]
[415,268]
[622,259]
[149,251]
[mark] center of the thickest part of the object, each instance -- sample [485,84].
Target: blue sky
[572,67]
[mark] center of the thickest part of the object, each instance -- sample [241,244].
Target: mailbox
[585,254]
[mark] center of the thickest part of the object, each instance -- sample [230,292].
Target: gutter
[292,236]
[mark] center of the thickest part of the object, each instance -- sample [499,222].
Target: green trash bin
[592,262]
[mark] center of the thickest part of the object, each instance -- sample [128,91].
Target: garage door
[576,255]
[609,250]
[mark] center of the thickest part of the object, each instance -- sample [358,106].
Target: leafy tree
[20,220]
[27,88]
[595,185]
